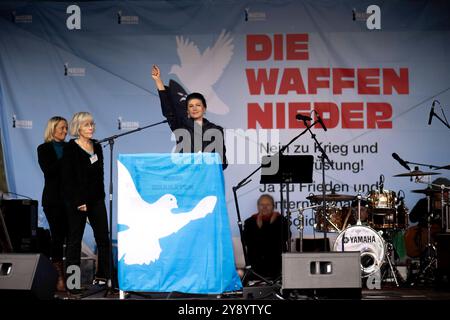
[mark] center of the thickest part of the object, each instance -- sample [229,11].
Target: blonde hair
[51,126]
[77,119]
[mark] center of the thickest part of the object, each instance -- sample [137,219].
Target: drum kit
[370,223]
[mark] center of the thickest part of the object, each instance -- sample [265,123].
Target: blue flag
[173,227]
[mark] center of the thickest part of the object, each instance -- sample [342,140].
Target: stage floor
[387,292]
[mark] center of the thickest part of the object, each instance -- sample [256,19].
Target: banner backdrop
[371,69]
[174,233]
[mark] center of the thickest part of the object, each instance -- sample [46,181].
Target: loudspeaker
[324,271]
[313,245]
[259,292]
[21,220]
[443,259]
[26,276]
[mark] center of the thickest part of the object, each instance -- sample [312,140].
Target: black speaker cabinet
[333,274]
[21,220]
[30,276]
[443,259]
[313,245]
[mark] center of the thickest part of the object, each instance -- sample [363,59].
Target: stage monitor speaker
[21,220]
[30,276]
[330,272]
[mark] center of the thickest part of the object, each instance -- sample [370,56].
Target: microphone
[302,117]
[381,183]
[401,161]
[319,119]
[431,113]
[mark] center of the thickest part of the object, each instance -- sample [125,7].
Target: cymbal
[444,167]
[416,173]
[331,197]
[427,191]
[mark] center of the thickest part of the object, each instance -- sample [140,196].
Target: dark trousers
[57,221]
[96,212]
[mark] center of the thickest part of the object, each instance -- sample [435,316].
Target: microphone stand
[439,118]
[110,141]
[323,157]
[431,166]
[243,182]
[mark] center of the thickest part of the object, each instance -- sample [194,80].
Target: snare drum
[381,201]
[368,242]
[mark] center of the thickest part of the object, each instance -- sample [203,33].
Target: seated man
[416,237]
[420,212]
[265,236]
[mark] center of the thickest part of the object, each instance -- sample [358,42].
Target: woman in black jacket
[193,131]
[50,155]
[84,193]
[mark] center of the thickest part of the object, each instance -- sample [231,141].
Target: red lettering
[339,83]
[263,117]
[259,47]
[369,81]
[292,81]
[278,47]
[290,47]
[352,115]
[294,108]
[313,79]
[392,80]
[297,46]
[262,80]
[329,108]
[379,115]
[281,115]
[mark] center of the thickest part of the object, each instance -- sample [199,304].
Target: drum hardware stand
[244,182]
[300,228]
[392,266]
[330,222]
[323,156]
[359,197]
[301,224]
[430,254]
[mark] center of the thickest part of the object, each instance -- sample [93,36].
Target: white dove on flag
[199,72]
[149,222]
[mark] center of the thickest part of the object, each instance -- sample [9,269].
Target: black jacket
[83,180]
[178,119]
[266,244]
[51,167]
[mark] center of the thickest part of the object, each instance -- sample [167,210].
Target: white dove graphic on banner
[149,222]
[199,72]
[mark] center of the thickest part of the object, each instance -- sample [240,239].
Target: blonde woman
[50,155]
[84,192]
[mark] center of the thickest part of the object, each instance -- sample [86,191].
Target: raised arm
[175,117]
[156,75]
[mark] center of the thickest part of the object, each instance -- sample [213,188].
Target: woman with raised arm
[193,131]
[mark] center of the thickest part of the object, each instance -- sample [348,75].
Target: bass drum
[416,239]
[368,242]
